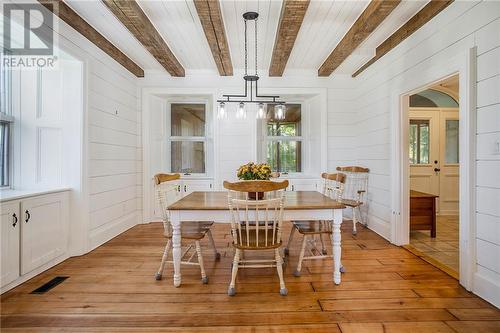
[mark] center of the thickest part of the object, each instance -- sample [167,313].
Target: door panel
[44,230]
[449,174]
[10,220]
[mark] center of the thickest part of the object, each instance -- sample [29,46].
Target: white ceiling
[324,25]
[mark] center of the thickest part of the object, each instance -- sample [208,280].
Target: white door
[424,150]
[43,230]
[449,163]
[434,155]
[11,223]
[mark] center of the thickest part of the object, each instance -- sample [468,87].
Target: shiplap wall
[110,200]
[460,27]
[236,139]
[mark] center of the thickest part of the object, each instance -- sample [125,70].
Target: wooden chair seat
[252,240]
[313,227]
[350,203]
[194,229]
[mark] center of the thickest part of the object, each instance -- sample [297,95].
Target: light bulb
[241,113]
[279,111]
[222,114]
[261,114]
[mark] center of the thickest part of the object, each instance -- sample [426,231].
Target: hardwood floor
[443,250]
[112,289]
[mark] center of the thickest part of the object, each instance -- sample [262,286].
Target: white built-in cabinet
[11,236]
[34,235]
[303,185]
[192,185]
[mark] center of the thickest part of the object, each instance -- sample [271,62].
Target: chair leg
[163,259]
[354,220]
[232,291]
[287,248]
[323,248]
[361,218]
[204,277]
[301,256]
[279,268]
[212,243]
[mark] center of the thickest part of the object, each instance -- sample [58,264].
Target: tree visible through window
[419,141]
[284,140]
[187,138]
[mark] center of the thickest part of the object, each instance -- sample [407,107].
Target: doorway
[433,147]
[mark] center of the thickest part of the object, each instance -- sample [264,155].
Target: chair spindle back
[333,185]
[166,194]
[256,224]
[356,183]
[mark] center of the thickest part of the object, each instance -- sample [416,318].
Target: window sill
[10,194]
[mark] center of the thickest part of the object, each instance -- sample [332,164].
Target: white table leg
[336,248]
[176,246]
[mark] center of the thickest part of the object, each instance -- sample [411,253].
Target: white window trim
[205,139]
[304,114]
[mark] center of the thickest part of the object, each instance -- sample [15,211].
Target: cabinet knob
[14,217]
[28,216]
[185,188]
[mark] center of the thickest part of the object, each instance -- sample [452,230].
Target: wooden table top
[218,201]
[417,194]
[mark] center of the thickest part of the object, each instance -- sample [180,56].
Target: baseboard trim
[380,227]
[33,273]
[110,230]
[487,289]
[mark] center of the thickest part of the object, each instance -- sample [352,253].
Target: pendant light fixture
[252,82]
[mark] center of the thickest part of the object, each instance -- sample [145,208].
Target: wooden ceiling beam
[291,17]
[374,14]
[68,15]
[430,10]
[211,20]
[134,19]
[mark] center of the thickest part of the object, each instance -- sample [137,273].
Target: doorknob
[437,169]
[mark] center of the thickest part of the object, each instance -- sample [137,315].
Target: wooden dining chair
[312,231]
[256,225]
[355,192]
[193,231]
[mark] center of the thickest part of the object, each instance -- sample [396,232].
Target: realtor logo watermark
[28,36]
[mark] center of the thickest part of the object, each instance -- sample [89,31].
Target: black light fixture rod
[273,102]
[262,96]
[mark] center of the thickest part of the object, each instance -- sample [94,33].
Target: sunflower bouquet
[252,171]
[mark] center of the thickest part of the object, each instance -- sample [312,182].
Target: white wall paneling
[441,48]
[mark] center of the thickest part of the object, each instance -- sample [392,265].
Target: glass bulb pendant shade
[241,113]
[222,114]
[261,113]
[279,111]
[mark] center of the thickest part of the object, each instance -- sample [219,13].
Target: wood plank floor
[112,289]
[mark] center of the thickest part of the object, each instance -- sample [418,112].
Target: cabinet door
[196,185]
[11,223]
[303,185]
[44,230]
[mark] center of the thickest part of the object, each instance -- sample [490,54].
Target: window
[187,138]
[419,141]
[284,140]
[6,120]
[451,148]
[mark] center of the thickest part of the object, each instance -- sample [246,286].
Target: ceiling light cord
[256,53]
[246,50]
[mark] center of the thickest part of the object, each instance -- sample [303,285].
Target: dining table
[213,206]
